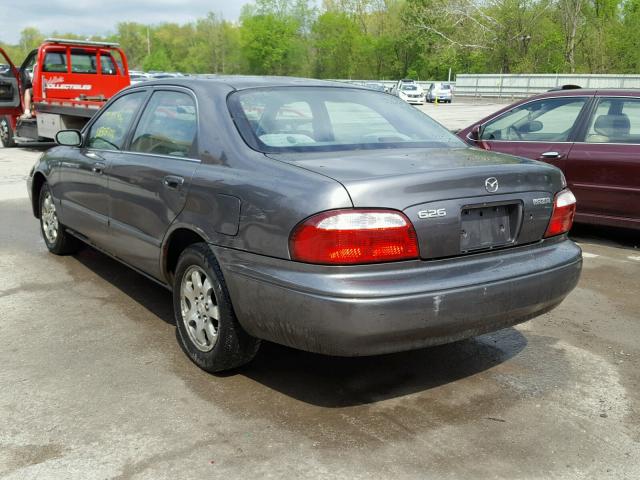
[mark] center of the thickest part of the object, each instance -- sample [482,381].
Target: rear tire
[55,236]
[6,133]
[206,324]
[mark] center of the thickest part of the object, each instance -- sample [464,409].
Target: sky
[100,17]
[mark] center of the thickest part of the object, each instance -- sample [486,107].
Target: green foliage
[271,44]
[388,39]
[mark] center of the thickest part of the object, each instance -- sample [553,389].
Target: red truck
[70,79]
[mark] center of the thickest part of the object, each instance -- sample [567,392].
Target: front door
[603,169]
[540,130]
[10,95]
[148,183]
[83,192]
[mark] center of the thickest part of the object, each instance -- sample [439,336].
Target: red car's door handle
[550,155]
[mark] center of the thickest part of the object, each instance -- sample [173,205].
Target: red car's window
[547,120]
[616,120]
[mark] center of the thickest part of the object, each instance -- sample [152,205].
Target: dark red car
[593,136]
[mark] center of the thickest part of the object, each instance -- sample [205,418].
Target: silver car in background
[439,92]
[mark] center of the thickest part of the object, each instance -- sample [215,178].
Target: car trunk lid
[459,200]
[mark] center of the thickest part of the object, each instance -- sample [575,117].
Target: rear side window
[55,62]
[616,120]
[167,126]
[548,120]
[110,129]
[83,61]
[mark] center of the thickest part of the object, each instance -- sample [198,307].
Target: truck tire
[6,133]
[206,324]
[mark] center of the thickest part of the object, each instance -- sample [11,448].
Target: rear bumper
[366,310]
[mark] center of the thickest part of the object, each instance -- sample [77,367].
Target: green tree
[271,44]
[334,37]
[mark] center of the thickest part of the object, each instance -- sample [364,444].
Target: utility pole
[148,42]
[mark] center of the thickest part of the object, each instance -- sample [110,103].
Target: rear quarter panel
[273,196]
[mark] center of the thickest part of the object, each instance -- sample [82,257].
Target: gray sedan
[322,216]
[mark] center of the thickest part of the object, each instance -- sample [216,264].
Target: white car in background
[442,92]
[136,77]
[409,91]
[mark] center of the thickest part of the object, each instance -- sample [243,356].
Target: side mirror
[475,133]
[69,138]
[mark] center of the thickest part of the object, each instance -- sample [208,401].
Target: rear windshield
[286,119]
[445,86]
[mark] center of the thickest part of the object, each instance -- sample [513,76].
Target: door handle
[98,167]
[551,155]
[94,156]
[173,182]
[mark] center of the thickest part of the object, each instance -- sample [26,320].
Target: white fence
[390,83]
[519,85]
[515,86]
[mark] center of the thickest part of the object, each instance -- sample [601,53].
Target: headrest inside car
[612,125]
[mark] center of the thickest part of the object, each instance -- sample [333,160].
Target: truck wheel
[6,133]
[56,238]
[206,325]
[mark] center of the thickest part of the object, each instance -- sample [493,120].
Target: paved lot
[94,384]
[462,112]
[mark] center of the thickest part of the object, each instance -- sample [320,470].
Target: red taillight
[564,209]
[347,237]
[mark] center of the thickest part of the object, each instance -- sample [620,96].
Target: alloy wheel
[199,308]
[49,216]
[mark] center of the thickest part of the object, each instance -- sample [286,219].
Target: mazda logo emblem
[491,184]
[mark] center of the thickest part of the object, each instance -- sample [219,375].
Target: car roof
[244,82]
[590,92]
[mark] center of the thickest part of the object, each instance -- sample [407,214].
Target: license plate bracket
[488,226]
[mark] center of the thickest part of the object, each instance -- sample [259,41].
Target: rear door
[148,183]
[542,129]
[10,97]
[603,168]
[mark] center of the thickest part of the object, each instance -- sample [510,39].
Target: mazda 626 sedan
[326,217]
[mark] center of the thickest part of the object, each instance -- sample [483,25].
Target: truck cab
[70,81]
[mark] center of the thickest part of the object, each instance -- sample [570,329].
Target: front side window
[282,119]
[109,131]
[167,126]
[616,120]
[83,61]
[55,61]
[548,120]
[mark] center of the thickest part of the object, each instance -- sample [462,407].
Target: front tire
[56,238]
[206,325]
[6,133]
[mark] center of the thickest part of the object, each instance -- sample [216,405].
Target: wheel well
[179,240]
[38,181]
